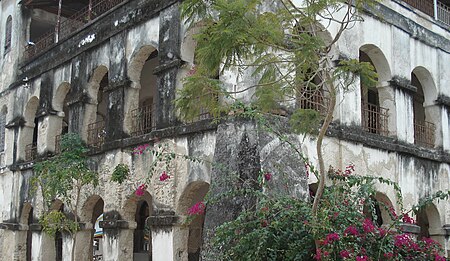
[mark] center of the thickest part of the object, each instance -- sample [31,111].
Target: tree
[286,48]
[64,177]
[284,45]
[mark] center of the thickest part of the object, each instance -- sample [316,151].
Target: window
[8,31]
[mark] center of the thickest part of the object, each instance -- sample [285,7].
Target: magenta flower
[140,149]
[164,176]
[408,219]
[197,209]
[344,254]
[332,237]
[362,258]
[318,255]
[368,225]
[351,230]
[140,190]
[268,176]
[439,258]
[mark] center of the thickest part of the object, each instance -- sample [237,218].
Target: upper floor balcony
[64,23]
[438,9]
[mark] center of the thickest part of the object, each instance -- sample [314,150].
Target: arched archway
[426,113]
[136,211]
[429,221]
[96,109]
[377,104]
[61,125]
[24,246]
[91,234]
[29,132]
[192,195]
[141,97]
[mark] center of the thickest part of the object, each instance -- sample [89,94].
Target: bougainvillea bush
[346,226]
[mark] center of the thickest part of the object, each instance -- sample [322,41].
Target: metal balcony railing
[426,6]
[143,120]
[317,100]
[443,13]
[436,9]
[375,119]
[30,152]
[96,135]
[424,133]
[70,25]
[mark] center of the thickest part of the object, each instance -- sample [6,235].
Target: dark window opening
[8,33]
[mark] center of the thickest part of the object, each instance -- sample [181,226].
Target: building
[109,69]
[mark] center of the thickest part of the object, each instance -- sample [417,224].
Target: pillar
[169,62]
[83,242]
[164,236]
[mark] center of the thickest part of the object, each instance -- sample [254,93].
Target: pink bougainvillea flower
[141,190]
[344,254]
[401,240]
[332,237]
[268,176]
[164,176]
[393,213]
[351,230]
[140,149]
[407,219]
[368,225]
[318,255]
[197,209]
[362,258]
[439,258]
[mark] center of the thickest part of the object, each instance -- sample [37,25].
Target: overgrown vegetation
[63,177]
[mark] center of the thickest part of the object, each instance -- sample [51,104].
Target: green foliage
[282,45]
[120,173]
[305,121]
[63,177]
[346,224]
[56,221]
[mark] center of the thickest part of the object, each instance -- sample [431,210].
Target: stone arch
[378,60]
[60,122]
[428,85]
[8,34]
[429,221]
[135,211]
[193,193]
[24,244]
[426,113]
[60,95]
[137,62]
[386,206]
[29,132]
[93,130]
[378,104]
[140,98]
[91,210]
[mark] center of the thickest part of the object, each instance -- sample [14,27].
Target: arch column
[15,239]
[387,100]
[117,239]
[168,237]
[77,121]
[438,235]
[433,115]
[403,107]
[83,247]
[49,127]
